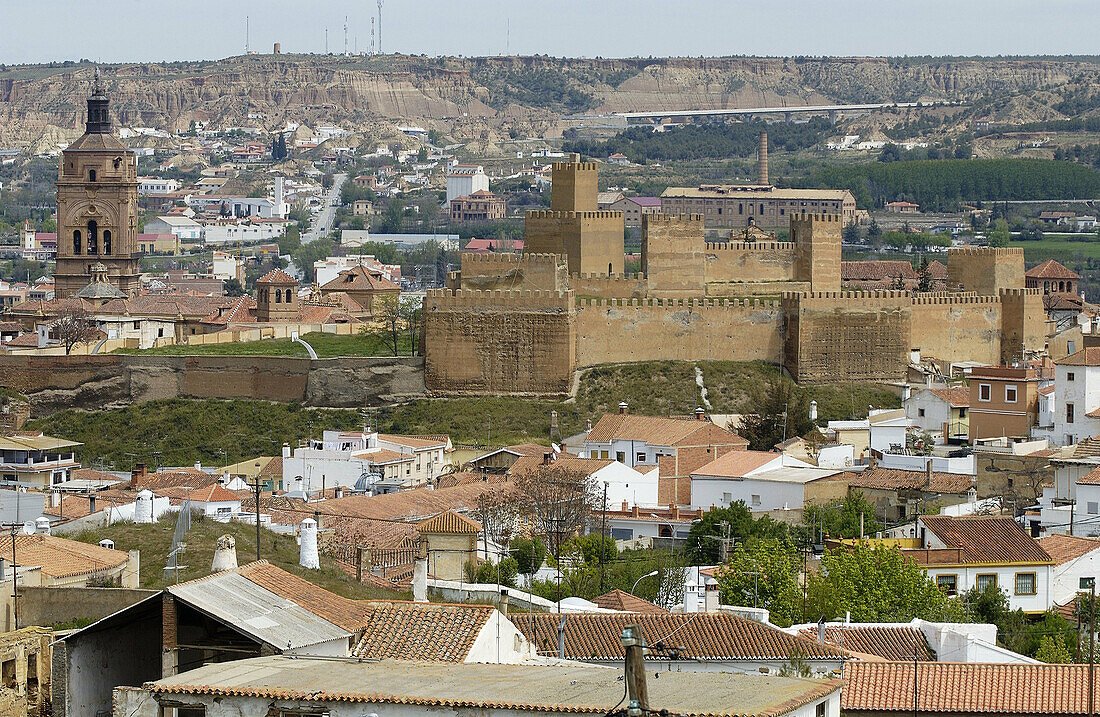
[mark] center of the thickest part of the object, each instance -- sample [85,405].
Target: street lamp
[14,579]
[647,575]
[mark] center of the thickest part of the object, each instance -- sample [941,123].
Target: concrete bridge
[744,113]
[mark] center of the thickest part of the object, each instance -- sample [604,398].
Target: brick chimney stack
[138,475]
[762,160]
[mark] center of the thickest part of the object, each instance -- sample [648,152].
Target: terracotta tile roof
[277,276]
[624,601]
[179,478]
[965,688]
[736,464]
[29,340]
[418,631]
[986,540]
[310,313]
[896,479]
[1046,390]
[415,442]
[956,396]
[703,636]
[213,493]
[520,449]
[888,642]
[1064,548]
[876,270]
[1087,448]
[449,522]
[350,615]
[359,278]
[79,505]
[1090,478]
[239,310]
[384,455]
[1089,356]
[406,505]
[588,466]
[1051,269]
[468,478]
[61,557]
[937,269]
[657,431]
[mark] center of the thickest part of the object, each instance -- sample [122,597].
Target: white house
[764,481]
[1077,391]
[882,431]
[939,410]
[183,227]
[1076,564]
[625,486]
[677,445]
[365,460]
[226,266]
[212,501]
[236,231]
[974,552]
[157,185]
[465,179]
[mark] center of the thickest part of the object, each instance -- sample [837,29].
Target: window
[160,333]
[622,534]
[819,710]
[1069,375]
[920,412]
[91,175]
[93,237]
[984,391]
[727,498]
[225,511]
[605,455]
[1092,507]
[1086,583]
[620,456]
[962,413]
[948,583]
[1010,394]
[76,241]
[641,458]
[1025,583]
[288,290]
[7,670]
[1071,346]
[755,499]
[278,296]
[984,580]
[1069,413]
[106,241]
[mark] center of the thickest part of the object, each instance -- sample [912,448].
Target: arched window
[278,296]
[106,241]
[93,237]
[91,175]
[76,241]
[288,296]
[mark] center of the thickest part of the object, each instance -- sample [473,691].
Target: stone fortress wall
[750,298]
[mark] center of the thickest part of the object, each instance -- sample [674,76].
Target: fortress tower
[97,192]
[591,240]
[816,239]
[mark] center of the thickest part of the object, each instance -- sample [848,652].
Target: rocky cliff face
[470,95]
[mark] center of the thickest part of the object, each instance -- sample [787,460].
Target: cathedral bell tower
[97,194]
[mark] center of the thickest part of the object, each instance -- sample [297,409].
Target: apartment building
[1004,401]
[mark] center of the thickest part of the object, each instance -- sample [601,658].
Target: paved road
[323,220]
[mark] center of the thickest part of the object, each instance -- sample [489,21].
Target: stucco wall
[50,606]
[957,328]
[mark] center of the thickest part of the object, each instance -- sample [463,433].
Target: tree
[851,234]
[1000,235]
[73,327]
[498,512]
[764,573]
[925,273]
[780,412]
[387,311]
[840,518]
[233,287]
[393,219]
[422,155]
[597,549]
[874,234]
[1052,651]
[890,153]
[556,502]
[707,535]
[530,553]
[327,180]
[876,584]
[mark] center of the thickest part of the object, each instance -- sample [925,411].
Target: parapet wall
[499,341]
[678,329]
[542,272]
[742,262]
[959,327]
[1023,324]
[985,270]
[673,257]
[609,287]
[592,241]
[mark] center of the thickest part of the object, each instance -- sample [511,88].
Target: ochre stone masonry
[539,323]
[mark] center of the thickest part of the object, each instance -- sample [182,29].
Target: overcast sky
[128,30]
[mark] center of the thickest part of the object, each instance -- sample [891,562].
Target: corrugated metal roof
[257,612]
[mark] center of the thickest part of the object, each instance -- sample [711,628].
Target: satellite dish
[28,528]
[555,447]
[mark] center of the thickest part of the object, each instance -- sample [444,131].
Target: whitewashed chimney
[42,525]
[420,580]
[143,507]
[225,555]
[307,554]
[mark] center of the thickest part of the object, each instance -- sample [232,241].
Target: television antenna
[345,35]
[379,27]
[246,48]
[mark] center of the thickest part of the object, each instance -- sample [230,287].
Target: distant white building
[182,227]
[226,266]
[231,232]
[238,207]
[157,185]
[365,460]
[465,179]
[325,270]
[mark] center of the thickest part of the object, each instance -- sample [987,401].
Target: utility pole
[379,27]
[636,690]
[258,485]
[603,539]
[1092,643]
[345,35]
[246,48]
[15,579]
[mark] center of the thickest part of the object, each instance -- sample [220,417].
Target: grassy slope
[154,542]
[326,346]
[180,432]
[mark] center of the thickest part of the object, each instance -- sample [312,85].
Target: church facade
[97,194]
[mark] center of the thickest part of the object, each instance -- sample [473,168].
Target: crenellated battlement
[806,217]
[560,214]
[662,218]
[578,166]
[955,299]
[677,304]
[848,295]
[609,277]
[984,251]
[770,246]
[512,300]
[507,258]
[1021,292]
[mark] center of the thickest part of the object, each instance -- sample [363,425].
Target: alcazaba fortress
[523,324]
